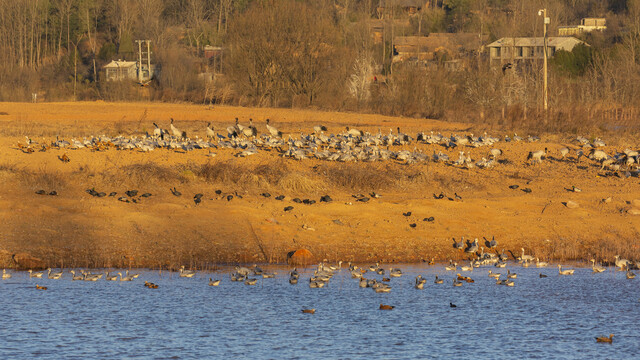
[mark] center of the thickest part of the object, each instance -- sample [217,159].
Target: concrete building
[586,25]
[522,49]
[118,70]
[452,48]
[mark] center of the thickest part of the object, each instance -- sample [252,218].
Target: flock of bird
[348,145]
[367,277]
[323,273]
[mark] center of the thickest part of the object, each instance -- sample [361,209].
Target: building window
[519,51]
[496,52]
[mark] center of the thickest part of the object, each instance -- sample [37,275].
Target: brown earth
[76,229]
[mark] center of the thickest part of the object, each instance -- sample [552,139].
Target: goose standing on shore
[458,244]
[621,263]
[473,247]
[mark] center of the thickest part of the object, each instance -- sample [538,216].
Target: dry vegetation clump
[222,172]
[43,178]
[297,182]
[359,176]
[8,167]
[143,173]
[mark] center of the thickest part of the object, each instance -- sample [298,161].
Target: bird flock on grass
[348,145]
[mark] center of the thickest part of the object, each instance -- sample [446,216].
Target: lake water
[554,317]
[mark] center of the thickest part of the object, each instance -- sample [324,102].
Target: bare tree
[359,82]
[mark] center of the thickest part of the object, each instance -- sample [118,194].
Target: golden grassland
[76,229]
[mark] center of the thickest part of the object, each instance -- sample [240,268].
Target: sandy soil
[76,229]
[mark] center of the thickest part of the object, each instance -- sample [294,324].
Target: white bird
[74,277]
[526,258]
[35,274]
[564,152]
[621,263]
[210,133]
[467,268]
[536,156]
[110,277]
[5,274]
[186,273]
[273,131]
[451,267]
[125,278]
[174,130]
[564,272]
[596,268]
[54,275]
[541,263]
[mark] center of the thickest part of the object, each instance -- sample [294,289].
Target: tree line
[324,54]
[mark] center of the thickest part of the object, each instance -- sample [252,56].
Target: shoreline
[235,222]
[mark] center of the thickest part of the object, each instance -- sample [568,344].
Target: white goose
[126,278]
[621,263]
[75,277]
[467,268]
[5,275]
[526,258]
[597,268]
[541,263]
[186,273]
[54,275]
[564,272]
[35,274]
[452,266]
[110,277]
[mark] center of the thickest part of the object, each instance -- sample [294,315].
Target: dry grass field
[76,229]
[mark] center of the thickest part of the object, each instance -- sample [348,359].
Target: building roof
[558,41]
[119,64]
[403,3]
[459,41]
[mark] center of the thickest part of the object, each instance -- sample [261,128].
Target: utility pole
[546,21]
[141,67]
[139,60]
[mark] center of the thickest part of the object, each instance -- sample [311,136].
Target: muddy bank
[76,229]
